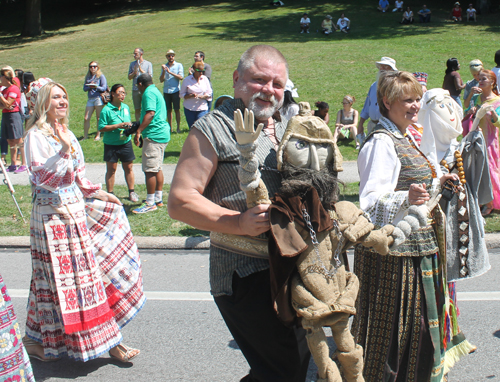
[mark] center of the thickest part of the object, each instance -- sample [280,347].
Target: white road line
[205,296]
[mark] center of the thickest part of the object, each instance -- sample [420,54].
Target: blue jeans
[457,99]
[193,116]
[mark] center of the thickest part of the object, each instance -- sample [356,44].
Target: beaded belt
[61,196]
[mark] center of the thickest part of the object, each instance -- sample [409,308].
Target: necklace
[270,132]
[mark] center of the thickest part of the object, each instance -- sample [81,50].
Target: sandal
[126,353]
[30,343]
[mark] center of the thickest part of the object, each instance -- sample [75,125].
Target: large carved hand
[245,132]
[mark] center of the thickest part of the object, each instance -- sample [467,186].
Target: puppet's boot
[327,369]
[352,364]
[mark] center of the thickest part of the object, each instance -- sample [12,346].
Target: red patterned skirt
[87,279]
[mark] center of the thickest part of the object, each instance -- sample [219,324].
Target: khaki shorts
[137,98]
[152,155]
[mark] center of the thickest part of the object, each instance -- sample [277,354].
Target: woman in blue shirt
[95,84]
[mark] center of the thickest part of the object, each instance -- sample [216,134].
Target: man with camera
[155,133]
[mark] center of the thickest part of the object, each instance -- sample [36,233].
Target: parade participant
[115,117]
[414,274]
[205,193]
[95,84]
[14,361]
[370,108]
[347,120]
[489,98]
[86,273]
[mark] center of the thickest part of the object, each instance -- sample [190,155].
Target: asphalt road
[183,338]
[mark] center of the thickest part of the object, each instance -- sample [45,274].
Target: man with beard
[206,194]
[370,108]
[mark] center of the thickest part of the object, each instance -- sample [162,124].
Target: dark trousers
[274,352]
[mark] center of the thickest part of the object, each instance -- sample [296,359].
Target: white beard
[264,112]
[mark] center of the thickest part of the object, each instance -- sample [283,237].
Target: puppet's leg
[349,354]
[316,340]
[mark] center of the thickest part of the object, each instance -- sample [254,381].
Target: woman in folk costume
[489,99]
[87,280]
[404,320]
[466,252]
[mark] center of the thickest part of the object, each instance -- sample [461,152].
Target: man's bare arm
[197,165]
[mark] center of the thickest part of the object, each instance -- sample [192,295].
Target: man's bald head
[267,52]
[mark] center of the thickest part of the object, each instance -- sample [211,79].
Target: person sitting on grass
[383,5]
[424,14]
[471,13]
[305,22]
[456,12]
[346,126]
[407,16]
[398,6]
[322,111]
[344,23]
[327,25]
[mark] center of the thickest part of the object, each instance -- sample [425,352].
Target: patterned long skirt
[405,319]
[14,361]
[87,280]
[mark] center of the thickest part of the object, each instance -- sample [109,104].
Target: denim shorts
[93,102]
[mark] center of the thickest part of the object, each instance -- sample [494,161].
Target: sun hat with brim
[329,17]
[387,61]
[170,51]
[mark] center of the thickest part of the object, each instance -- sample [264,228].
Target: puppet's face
[304,154]
[445,108]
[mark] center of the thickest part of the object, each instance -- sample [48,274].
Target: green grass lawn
[322,67]
[157,223]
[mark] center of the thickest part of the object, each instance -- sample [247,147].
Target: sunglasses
[199,70]
[93,66]
[170,55]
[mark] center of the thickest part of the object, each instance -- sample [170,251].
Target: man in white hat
[172,73]
[370,108]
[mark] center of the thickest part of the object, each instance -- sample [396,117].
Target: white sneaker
[301,31]
[307,31]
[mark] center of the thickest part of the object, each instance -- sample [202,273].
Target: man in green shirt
[155,132]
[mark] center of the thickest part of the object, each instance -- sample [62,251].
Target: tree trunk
[483,6]
[33,19]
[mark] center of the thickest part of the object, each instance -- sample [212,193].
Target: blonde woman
[87,281]
[95,84]
[347,120]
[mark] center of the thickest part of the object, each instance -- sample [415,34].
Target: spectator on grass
[398,6]
[472,86]
[172,73]
[344,23]
[199,56]
[136,68]
[496,69]
[452,80]
[456,12]
[196,91]
[471,13]
[322,111]
[383,5]
[115,117]
[347,120]
[407,16]
[327,25]
[12,125]
[95,84]
[424,14]
[371,108]
[155,132]
[305,22]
